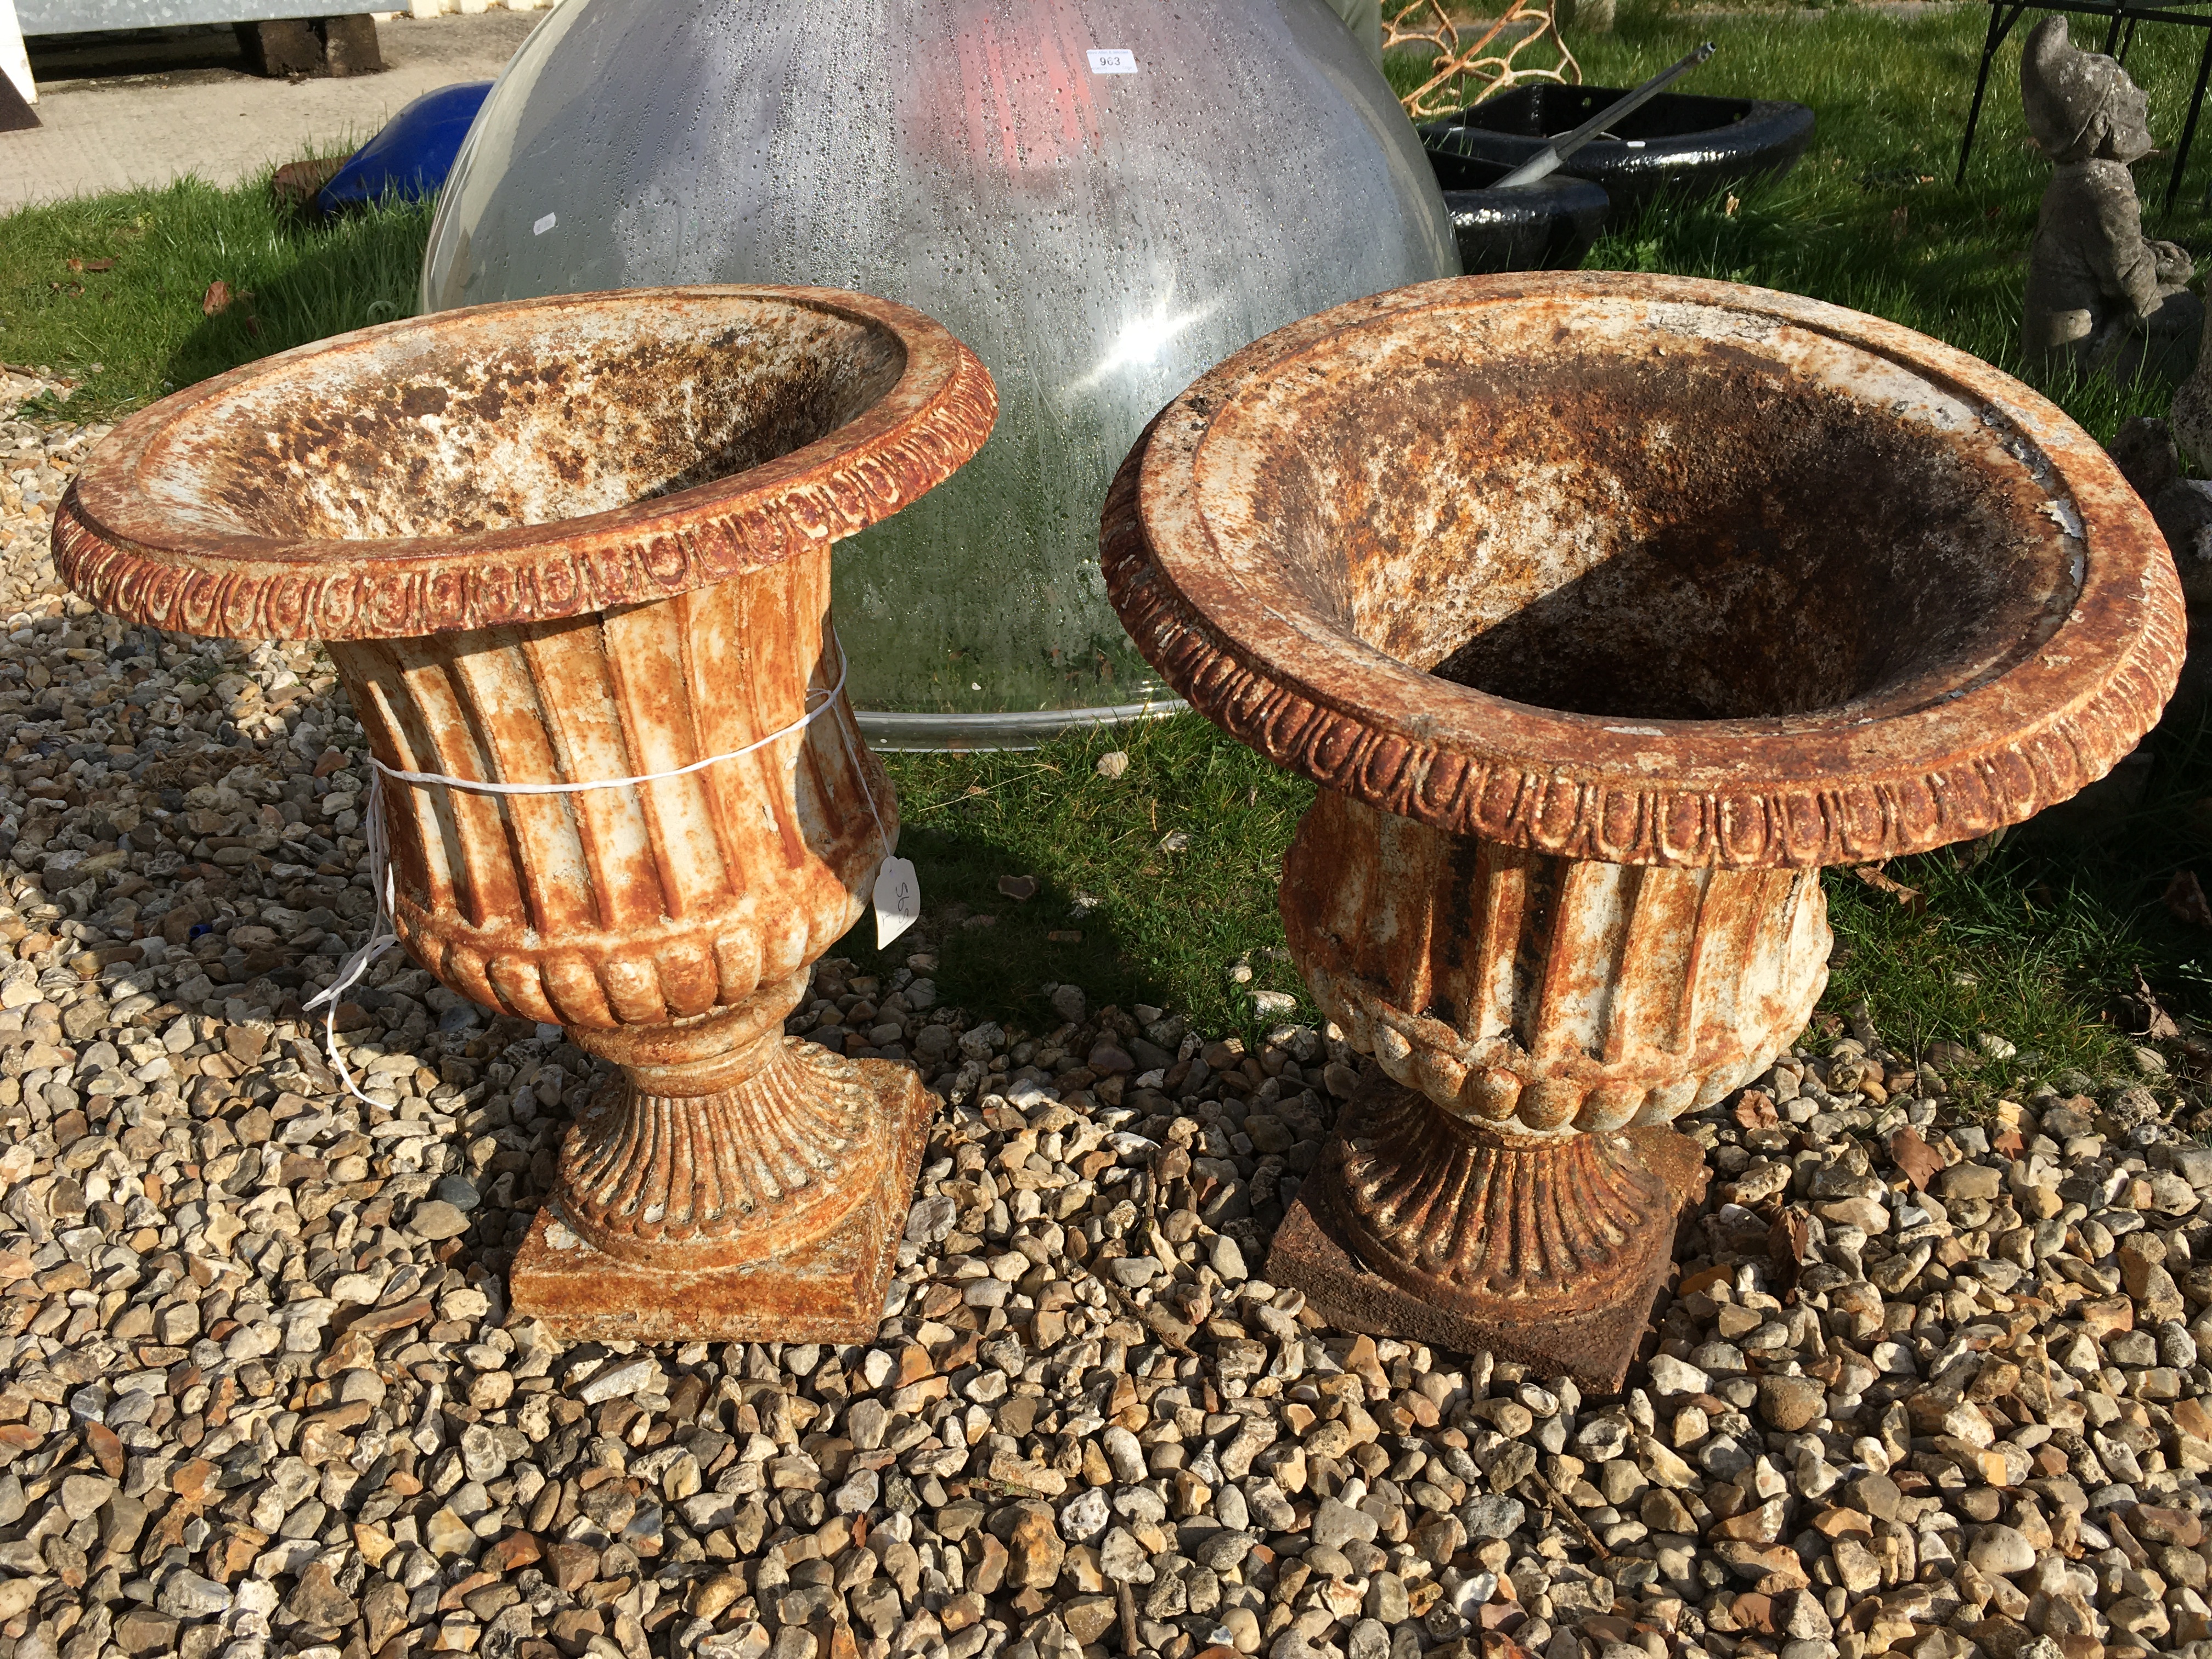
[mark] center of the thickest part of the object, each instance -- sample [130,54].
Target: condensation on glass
[1102,197]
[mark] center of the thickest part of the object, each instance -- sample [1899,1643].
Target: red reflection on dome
[1027,99]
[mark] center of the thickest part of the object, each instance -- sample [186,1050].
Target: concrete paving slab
[223,125]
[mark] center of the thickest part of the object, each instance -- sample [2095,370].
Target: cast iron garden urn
[1606,610]
[585,542]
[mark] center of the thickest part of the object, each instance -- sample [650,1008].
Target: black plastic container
[1545,226]
[1677,144]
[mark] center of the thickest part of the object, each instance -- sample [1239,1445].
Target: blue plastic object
[413,154]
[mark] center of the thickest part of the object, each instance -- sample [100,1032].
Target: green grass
[1161,926]
[2035,943]
[1869,218]
[138,328]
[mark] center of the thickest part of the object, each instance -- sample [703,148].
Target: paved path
[224,126]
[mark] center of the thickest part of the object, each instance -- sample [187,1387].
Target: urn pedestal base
[830,1289]
[1325,1247]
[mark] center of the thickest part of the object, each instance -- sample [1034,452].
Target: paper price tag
[540,227]
[1118,60]
[899,899]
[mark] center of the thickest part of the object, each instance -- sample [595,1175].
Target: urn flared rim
[161,528]
[1243,619]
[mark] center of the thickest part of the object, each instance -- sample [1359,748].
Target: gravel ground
[1929,1387]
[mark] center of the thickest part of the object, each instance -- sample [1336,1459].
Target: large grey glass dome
[1102,197]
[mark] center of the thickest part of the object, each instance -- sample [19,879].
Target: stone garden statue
[2101,296]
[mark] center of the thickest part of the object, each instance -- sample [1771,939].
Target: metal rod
[2189,127]
[1547,159]
[2001,23]
[2132,12]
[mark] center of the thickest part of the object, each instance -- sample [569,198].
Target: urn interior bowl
[1606,609]
[518,462]
[584,543]
[525,427]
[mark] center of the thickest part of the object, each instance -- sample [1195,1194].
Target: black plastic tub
[1545,226]
[1678,144]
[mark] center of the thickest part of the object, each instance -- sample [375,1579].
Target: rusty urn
[1604,609]
[579,548]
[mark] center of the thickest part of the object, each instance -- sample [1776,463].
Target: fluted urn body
[1606,610]
[572,559]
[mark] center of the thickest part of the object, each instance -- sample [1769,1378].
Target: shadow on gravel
[994,949]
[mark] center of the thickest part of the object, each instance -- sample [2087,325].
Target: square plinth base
[1595,1349]
[828,1290]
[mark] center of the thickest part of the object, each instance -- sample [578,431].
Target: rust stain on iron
[582,538]
[1606,609]
[1543,994]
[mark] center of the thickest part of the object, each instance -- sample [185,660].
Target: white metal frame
[15,61]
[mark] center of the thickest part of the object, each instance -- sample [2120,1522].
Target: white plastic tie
[383,935]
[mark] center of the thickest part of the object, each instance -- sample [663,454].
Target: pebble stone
[1930,1382]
